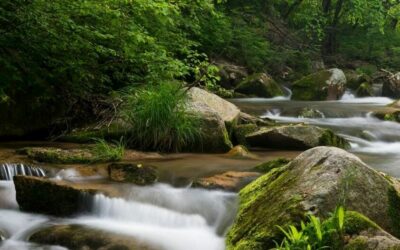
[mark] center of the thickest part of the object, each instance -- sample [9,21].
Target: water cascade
[9,170]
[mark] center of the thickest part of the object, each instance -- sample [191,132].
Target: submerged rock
[311,113]
[314,182]
[58,198]
[240,151]
[323,85]
[80,238]
[230,181]
[138,174]
[261,85]
[58,155]
[295,137]
[39,195]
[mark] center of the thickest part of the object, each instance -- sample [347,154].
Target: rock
[311,113]
[138,174]
[391,86]
[240,151]
[230,74]
[2,236]
[355,79]
[365,89]
[81,238]
[228,112]
[389,113]
[316,181]
[58,198]
[241,131]
[269,165]
[323,85]
[58,155]
[373,240]
[245,118]
[261,85]
[295,137]
[215,137]
[230,181]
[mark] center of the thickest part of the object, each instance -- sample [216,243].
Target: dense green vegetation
[69,57]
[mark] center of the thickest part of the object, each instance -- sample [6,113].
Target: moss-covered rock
[391,86]
[311,113]
[365,89]
[66,156]
[241,131]
[295,137]
[229,181]
[39,195]
[314,182]
[231,74]
[323,85]
[269,165]
[355,79]
[139,174]
[391,112]
[80,237]
[261,85]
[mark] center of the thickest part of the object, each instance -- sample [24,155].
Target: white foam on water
[348,97]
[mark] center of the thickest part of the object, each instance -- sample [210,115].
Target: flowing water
[172,216]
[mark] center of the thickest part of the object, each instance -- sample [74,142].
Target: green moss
[269,165]
[394,210]
[329,138]
[259,85]
[365,89]
[240,132]
[311,87]
[356,223]
[357,244]
[263,197]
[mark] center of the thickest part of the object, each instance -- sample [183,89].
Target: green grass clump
[104,152]
[159,118]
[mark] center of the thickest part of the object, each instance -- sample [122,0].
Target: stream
[172,216]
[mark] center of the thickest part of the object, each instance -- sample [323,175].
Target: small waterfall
[9,170]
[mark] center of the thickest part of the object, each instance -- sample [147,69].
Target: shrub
[159,119]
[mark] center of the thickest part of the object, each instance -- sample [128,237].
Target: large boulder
[323,85]
[228,112]
[80,238]
[294,137]
[390,112]
[229,181]
[260,85]
[215,137]
[58,198]
[314,182]
[139,174]
[391,85]
[365,89]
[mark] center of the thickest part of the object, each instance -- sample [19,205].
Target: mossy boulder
[260,85]
[265,167]
[240,152]
[139,174]
[389,113]
[40,195]
[314,182]
[365,89]
[241,131]
[391,85]
[80,238]
[294,137]
[322,85]
[229,181]
[231,74]
[355,79]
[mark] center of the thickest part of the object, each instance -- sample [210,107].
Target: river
[171,215]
